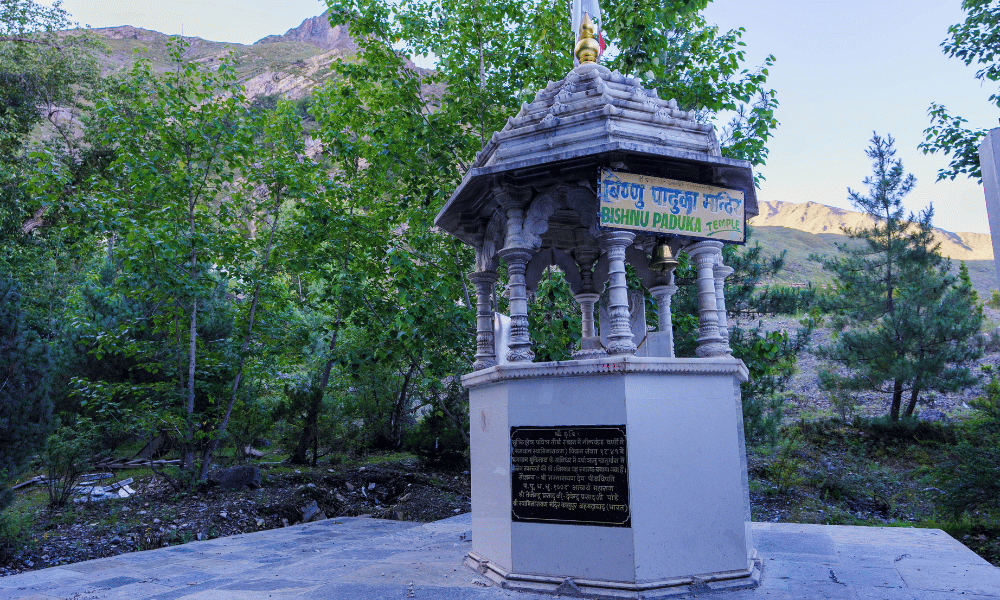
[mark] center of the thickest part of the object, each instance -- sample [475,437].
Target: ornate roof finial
[588,28]
[587,48]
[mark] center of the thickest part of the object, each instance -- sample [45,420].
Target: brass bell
[663,259]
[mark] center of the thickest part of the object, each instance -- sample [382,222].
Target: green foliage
[554,319]
[193,208]
[437,443]
[994,301]
[69,451]
[770,356]
[784,471]
[13,530]
[975,41]
[904,320]
[884,431]
[970,480]
[25,405]
[988,406]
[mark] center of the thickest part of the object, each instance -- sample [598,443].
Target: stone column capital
[613,238]
[704,249]
[722,271]
[483,277]
[516,254]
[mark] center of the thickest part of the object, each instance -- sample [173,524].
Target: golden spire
[587,49]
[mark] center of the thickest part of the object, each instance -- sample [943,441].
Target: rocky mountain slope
[811,217]
[315,32]
[290,65]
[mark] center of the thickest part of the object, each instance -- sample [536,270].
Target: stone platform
[366,558]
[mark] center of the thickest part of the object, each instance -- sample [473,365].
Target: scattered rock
[932,415]
[311,512]
[236,478]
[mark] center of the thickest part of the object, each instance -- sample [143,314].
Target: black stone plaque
[574,475]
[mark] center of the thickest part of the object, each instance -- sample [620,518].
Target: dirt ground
[157,516]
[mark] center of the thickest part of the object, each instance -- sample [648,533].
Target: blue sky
[844,69]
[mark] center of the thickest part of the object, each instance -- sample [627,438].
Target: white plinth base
[592,588]
[689,502]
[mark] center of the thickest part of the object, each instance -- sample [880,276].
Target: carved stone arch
[536,220]
[493,240]
[536,268]
[548,257]
[582,200]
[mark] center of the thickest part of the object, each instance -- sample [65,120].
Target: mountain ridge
[316,31]
[815,218]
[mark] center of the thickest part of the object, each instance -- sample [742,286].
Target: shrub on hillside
[68,453]
[438,443]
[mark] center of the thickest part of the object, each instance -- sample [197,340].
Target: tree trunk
[897,399]
[310,432]
[913,402]
[188,459]
[206,458]
[397,430]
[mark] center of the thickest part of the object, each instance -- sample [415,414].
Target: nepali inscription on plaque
[570,475]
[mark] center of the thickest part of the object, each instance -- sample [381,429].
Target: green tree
[24,396]
[770,356]
[42,73]
[194,207]
[974,41]
[904,320]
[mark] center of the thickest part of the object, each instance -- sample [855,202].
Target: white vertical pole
[989,159]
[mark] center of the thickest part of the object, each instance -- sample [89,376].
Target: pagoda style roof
[593,117]
[595,106]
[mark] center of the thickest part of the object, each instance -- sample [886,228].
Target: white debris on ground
[89,492]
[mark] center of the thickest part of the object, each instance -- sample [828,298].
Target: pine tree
[24,400]
[905,320]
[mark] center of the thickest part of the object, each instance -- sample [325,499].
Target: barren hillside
[811,217]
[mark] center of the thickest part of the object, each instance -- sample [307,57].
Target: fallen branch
[32,481]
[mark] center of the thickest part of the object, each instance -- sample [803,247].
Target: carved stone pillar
[587,302]
[485,349]
[520,341]
[710,341]
[721,272]
[663,294]
[620,340]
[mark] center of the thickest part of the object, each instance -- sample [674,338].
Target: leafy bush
[14,526]
[885,431]
[68,452]
[784,471]
[438,443]
[994,301]
[971,479]
[25,405]
[988,406]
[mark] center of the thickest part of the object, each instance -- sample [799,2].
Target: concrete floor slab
[367,558]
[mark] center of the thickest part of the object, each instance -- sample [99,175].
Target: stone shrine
[622,472]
